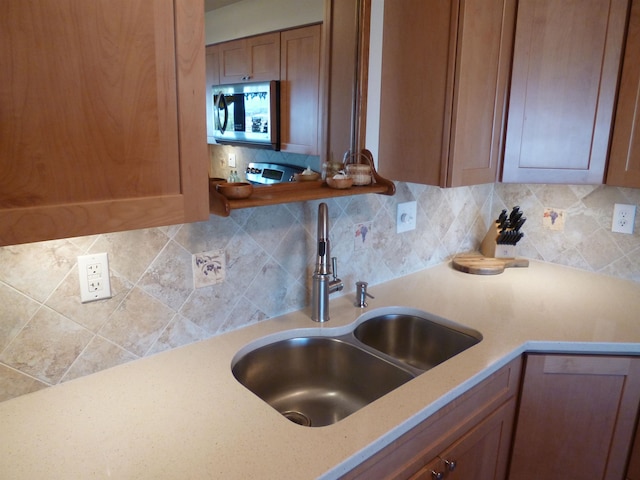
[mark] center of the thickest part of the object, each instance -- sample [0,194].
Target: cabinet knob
[437,475]
[451,464]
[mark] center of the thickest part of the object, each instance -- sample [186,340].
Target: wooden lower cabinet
[481,453]
[576,418]
[633,470]
[472,433]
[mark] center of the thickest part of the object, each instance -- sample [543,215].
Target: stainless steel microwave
[247,113]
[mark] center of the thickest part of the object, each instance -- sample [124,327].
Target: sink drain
[297,417]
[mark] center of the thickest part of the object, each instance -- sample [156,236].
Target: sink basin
[317,381]
[415,340]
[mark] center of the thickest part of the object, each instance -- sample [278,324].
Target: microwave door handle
[221,104]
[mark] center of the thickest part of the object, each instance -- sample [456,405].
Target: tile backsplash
[47,336]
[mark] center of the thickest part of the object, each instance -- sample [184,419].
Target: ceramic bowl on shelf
[306,177]
[340,182]
[235,190]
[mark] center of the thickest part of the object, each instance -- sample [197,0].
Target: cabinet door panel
[445,68]
[624,158]
[576,417]
[416,90]
[633,470]
[96,132]
[483,453]
[485,42]
[300,90]
[264,57]
[234,61]
[565,72]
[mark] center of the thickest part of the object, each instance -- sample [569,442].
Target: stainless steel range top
[268,173]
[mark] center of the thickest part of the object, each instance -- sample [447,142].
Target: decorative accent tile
[362,236]
[209,268]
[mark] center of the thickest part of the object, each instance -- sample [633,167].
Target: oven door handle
[221,104]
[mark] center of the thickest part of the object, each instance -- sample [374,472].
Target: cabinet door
[101,117]
[483,65]
[576,417]
[624,158]
[482,453]
[565,73]
[445,68]
[251,59]
[416,89]
[300,90]
[633,470]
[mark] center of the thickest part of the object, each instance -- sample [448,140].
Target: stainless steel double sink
[317,380]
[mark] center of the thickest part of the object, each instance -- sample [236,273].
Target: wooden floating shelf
[290,192]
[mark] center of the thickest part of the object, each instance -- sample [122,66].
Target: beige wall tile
[98,355]
[47,346]
[16,310]
[14,383]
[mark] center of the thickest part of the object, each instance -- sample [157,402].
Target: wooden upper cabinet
[483,65]
[251,59]
[564,81]
[445,70]
[576,417]
[300,90]
[624,157]
[102,123]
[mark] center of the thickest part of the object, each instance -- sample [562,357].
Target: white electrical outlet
[406,218]
[231,160]
[623,218]
[93,271]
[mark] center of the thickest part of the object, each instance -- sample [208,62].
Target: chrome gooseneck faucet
[325,278]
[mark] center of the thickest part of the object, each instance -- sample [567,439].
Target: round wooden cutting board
[480,265]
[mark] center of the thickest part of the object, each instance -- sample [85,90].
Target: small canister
[360,173]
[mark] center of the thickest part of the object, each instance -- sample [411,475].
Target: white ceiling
[213,4]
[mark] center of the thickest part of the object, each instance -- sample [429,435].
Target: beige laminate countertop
[182,415]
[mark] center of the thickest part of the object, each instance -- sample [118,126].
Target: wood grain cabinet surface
[576,418]
[445,70]
[633,469]
[624,157]
[101,117]
[250,59]
[469,439]
[300,90]
[566,66]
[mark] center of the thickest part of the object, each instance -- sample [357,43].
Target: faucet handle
[334,267]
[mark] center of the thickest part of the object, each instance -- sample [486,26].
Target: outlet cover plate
[93,272]
[406,218]
[623,218]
